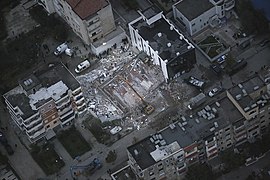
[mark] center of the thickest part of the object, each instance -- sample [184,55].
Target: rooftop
[151,11]
[86,8]
[55,82]
[29,82]
[164,38]
[185,132]
[242,91]
[193,8]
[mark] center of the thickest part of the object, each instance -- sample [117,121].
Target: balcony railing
[229,4]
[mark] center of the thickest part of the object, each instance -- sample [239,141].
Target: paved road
[21,160]
[100,151]
[243,172]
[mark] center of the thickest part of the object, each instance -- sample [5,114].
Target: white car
[60,49]
[115,130]
[82,66]
[214,92]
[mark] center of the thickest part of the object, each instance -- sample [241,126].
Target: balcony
[65,110]
[77,91]
[66,114]
[68,118]
[229,4]
[31,122]
[34,128]
[62,100]
[37,135]
[42,4]
[64,103]
[209,148]
[80,101]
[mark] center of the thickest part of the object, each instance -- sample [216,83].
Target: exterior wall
[49,115]
[202,21]
[143,45]
[85,29]
[116,40]
[107,20]
[48,5]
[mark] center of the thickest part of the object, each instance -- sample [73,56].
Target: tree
[199,172]
[3,159]
[111,157]
[232,160]
[252,20]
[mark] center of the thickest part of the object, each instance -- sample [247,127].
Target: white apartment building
[91,20]
[195,15]
[155,35]
[44,101]
[238,115]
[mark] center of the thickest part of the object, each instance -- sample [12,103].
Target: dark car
[216,69]
[264,42]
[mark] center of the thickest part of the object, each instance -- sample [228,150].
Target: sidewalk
[21,160]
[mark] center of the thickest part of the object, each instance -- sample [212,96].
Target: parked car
[214,91]
[217,70]
[60,49]
[195,82]
[221,59]
[264,42]
[82,66]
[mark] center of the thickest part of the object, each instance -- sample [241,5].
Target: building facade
[155,35]
[91,20]
[238,115]
[195,16]
[45,101]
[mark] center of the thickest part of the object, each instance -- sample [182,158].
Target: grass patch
[47,158]
[96,128]
[73,142]
[213,51]
[209,40]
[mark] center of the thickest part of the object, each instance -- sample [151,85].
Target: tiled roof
[86,8]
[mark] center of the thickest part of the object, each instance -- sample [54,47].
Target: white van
[82,66]
[60,49]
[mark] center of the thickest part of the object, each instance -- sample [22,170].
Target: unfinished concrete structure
[158,38]
[44,101]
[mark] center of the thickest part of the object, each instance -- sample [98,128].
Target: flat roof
[193,8]
[55,82]
[86,8]
[163,38]
[16,97]
[250,85]
[151,11]
[143,157]
[194,130]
